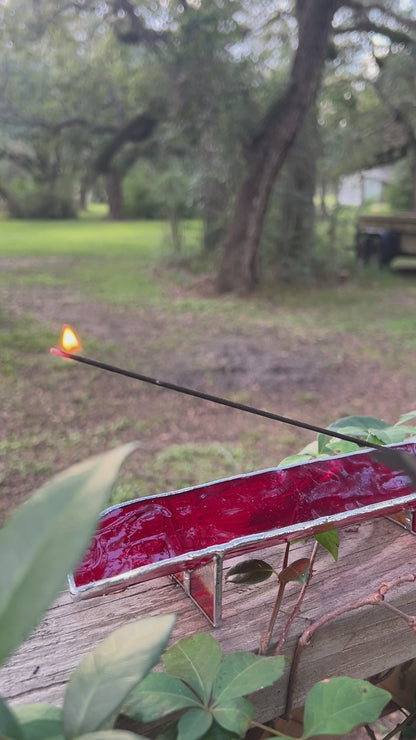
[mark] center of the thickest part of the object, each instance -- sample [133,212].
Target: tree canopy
[215,93]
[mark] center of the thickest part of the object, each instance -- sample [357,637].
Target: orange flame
[69,340]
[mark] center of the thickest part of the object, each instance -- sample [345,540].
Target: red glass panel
[155,529]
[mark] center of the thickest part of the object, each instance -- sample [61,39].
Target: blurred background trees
[244,117]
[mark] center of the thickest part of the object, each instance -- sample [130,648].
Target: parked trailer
[380,239]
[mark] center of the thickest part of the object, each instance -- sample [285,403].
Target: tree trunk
[113,189]
[85,186]
[413,175]
[175,231]
[268,151]
[295,233]
[12,204]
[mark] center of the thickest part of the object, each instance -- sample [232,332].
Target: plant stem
[371,734]
[271,730]
[374,599]
[298,602]
[408,618]
[264,645]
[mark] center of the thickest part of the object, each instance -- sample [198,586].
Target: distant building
[365,186]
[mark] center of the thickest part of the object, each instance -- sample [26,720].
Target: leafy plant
[208,692]
[340,704]
[200,693]
[46,539]
[42,542]
[208,687]
[367,428]
[96,689]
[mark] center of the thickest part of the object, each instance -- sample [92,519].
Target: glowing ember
[69,340]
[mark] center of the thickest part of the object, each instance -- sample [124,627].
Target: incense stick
[216,399]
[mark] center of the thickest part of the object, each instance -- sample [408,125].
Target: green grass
[182,466]
[111,261]
[18,337]
[143,239]
[120,263]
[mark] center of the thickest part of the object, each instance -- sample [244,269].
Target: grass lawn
[316,353]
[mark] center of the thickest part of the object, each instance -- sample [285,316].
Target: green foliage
[97,688]
[250,571]
[367,428]
[39,721]
[329,540]
[288,240]
[399,192]
[46,538]
[9,725]
[105,677]
[34,201]
[206,687]
[340,704]
[151,191]
[39,545]
[298,571]
[142,197]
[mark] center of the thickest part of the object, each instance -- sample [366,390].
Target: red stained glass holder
[188,533]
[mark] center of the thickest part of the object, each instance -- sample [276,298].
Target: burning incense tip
[58,352]
[69,341]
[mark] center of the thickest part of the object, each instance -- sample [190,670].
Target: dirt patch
[52,416]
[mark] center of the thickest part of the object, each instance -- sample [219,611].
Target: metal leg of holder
[406,519]
[204,586]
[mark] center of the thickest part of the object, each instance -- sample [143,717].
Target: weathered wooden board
[357,644]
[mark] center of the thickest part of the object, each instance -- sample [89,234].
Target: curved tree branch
[136,130]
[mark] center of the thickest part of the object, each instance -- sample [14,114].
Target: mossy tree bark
[267,152]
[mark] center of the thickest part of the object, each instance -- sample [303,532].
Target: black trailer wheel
[376,249]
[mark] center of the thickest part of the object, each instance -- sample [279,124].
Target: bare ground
[52,415]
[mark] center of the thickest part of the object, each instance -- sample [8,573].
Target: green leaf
[249,572]
[329,539]
[40,721]
[374,439]
[9,723]
[216,732]
[354,426]
[194,724]
[45,540]
[242,673]
[298,459]
[111,735]
[310,449]
[196,660]
[323,441]
[361,424]
[394,435]
[336,706]
[234,715]
[297,571]
[341,447]
[406,417]
[157,696]
[169,732]
[105,677]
